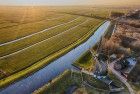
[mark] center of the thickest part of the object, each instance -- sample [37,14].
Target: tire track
[3,57]
[37,32]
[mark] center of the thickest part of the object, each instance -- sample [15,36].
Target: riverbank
[26,72]
[69,79]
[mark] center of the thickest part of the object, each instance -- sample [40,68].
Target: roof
[132,61]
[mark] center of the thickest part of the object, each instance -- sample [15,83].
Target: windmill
[101,71]
[100,58]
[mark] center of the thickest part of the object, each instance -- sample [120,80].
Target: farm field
[38,37]
[29,35]
[19,31]
[103,12]
[34,53]
[16,25]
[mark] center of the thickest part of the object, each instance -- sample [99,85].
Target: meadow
[92,11]
[39,36]
[15,32]
[85,61]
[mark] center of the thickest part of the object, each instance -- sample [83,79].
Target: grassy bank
[60,84]
[63,82]
[36,66]
[85,61]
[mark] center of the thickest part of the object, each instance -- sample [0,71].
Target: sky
[69,2]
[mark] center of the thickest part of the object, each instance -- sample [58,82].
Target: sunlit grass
[85,61]
[20,44]
[8,34]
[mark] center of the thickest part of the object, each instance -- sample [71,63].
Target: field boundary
[44,62]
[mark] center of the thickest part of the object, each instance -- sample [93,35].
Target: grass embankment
[15,32]
[57,46]
[85,61]
[60,84]
[26,42]
[63,82]
[89,90]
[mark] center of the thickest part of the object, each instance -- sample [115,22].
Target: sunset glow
[70,2]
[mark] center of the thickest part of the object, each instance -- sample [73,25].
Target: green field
[23,15]
[29,28]
[26,42]
[103,12]
[85,61]
[30,55]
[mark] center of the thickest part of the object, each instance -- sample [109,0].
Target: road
[120,77]
[42,41]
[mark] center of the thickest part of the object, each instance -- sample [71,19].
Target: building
[125,66]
